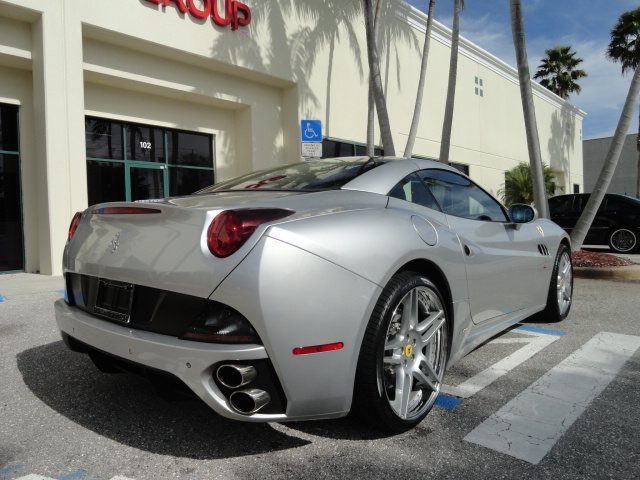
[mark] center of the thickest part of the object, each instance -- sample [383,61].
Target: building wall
[136,61]
[626,174]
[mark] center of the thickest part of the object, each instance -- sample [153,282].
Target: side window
[579,203]
[460,197]
[413,190]
[612,205]
[559,205]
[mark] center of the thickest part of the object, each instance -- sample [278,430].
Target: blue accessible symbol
[311,130]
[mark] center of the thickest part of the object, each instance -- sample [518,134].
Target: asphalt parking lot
[519,411]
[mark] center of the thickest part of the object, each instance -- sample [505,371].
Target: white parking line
[33,476]
[534,343]
[529,425]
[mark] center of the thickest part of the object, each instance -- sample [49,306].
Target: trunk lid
[168,249]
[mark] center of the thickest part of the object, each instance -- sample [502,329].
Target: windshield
[327,174]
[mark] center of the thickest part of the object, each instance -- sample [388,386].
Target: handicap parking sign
[311,130]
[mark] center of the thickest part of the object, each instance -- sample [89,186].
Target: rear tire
[403,356]
[623,240]
[560,294]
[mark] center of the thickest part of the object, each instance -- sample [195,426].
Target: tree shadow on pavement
[126,408]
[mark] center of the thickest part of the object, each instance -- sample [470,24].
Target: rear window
[324,174]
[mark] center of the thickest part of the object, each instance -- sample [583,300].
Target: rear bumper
[191,362]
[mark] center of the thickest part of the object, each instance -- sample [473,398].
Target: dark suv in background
[617,222]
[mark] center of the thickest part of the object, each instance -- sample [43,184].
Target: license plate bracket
[114,300]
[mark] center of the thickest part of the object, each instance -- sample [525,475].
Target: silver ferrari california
[310,290]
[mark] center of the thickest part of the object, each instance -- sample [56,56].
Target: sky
[585,25]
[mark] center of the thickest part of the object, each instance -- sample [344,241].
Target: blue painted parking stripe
[11,469]
[1,298]
[529,328]
[64,294]
[74,475]
[447,402]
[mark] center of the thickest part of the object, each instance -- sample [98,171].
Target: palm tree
[447,124]
[371,149]
[321,34]
[558,71]
[531,127]
[423,75]
[624,48]
[374,72]
[518,184]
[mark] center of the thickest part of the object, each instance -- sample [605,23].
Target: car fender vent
[543,250]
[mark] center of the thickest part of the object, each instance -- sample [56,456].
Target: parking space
[564,394]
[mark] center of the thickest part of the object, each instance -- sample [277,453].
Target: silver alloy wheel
[564,283]
[623,240]
[415,353]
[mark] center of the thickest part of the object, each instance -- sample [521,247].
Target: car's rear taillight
[75,221]
[230,229]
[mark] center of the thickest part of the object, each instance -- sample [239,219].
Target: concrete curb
[630,273]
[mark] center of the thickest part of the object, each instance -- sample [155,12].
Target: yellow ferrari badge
[540,230]
[408,350]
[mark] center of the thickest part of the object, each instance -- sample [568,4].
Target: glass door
[146,181]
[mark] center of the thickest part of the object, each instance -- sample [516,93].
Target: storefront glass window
[335,148]
[9,128]
[103,139]
[106,182]
[11,234]
[145,143]
[191,149]
[128,162]
[464,168]
[184,181]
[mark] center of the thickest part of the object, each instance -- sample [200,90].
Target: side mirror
[520,213]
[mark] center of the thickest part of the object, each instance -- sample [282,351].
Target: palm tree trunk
[411,140]
[332,47]
[374,71]
[608,168]
[371,100]
[531,127]
[447,124]
[371,149]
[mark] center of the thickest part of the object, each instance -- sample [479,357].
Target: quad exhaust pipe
[235,376]
[246,401]
[249,401]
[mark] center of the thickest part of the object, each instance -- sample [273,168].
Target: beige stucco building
[127,99]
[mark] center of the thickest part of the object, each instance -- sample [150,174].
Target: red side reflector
[318,348]
[124,211]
